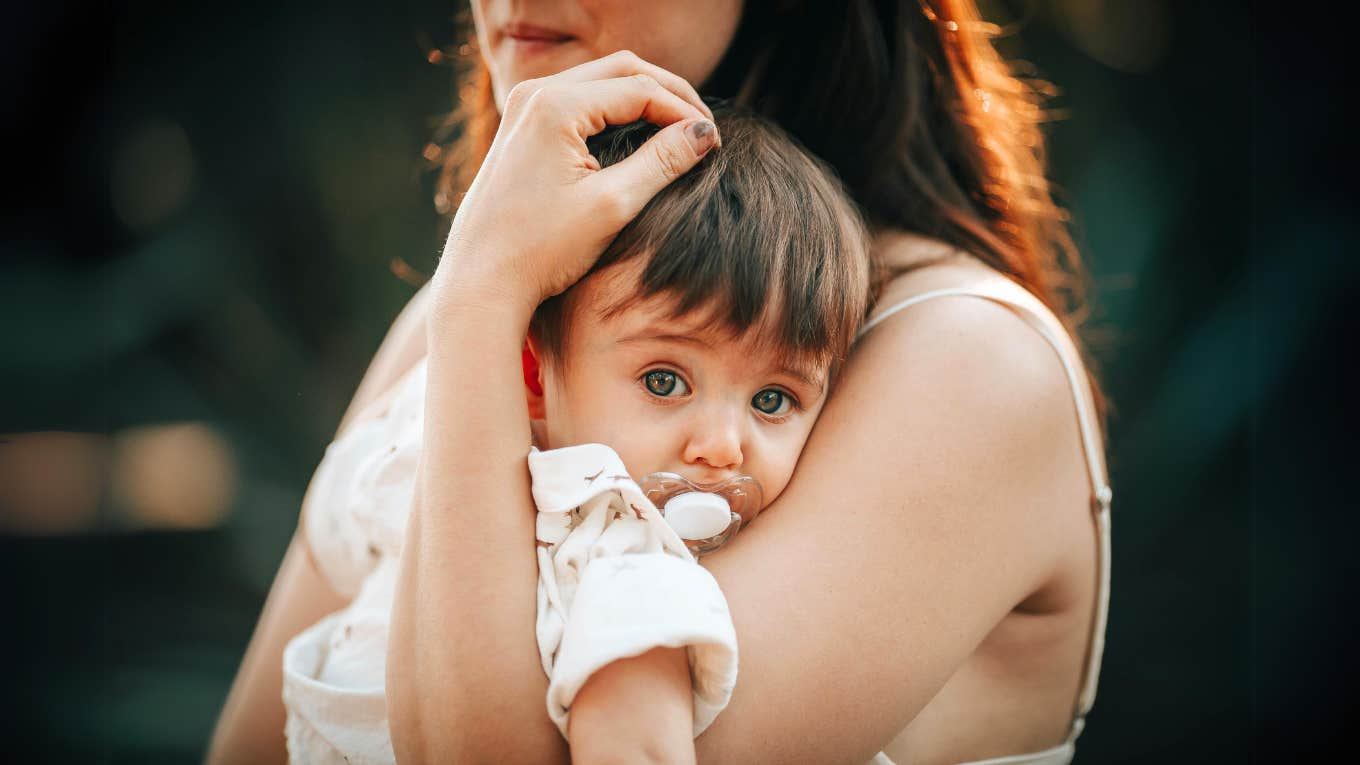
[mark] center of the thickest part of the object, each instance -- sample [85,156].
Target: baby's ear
[533,377]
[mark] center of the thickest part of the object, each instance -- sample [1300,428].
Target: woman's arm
[536,217]
[250,728]
[929,502]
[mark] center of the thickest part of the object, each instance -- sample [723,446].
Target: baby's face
[671,395]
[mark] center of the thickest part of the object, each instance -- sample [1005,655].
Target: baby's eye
[773,402]
[665,384]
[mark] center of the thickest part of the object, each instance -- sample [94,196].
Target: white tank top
[1035,314]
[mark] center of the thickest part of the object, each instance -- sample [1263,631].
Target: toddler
[700,345]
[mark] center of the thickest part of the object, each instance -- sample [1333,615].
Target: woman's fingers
[624,63]
[540,191]
[618,101]
[590,106]
[618,66]
[666,156]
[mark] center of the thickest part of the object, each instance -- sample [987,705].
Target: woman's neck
[897,250]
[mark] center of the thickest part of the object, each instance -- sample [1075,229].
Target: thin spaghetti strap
[1033,313]
[1061,344]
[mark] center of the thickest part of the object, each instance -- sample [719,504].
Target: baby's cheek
[773,489]
[640,454]
[629,436]
[779,470]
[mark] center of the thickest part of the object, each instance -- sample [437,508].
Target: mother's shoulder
[967,391]
[979,351]
[1012,319]
[976,354]
[976,383]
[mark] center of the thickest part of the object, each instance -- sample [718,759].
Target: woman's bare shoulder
[1011,401]
[946,331]
[1000,382]
[1002,387]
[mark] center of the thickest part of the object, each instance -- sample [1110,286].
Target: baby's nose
[716,443]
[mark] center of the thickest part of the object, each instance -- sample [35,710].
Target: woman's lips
[532,39]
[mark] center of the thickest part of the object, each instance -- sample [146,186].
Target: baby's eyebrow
[813,380]
[649,336]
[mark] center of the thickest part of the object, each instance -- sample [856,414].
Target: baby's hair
[759,235]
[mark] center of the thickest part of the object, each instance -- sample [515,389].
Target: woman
[930,583]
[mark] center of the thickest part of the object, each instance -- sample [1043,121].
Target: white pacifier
[705,516]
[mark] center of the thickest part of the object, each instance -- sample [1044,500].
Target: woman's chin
[520,60]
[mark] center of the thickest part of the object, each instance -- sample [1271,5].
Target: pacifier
[704,515]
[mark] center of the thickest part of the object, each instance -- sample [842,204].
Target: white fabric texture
[358,503]
[614,581]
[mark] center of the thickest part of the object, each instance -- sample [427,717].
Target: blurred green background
[203,206]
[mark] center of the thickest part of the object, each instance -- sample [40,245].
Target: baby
[701,344]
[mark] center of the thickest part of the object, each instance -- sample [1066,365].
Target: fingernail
[703,136]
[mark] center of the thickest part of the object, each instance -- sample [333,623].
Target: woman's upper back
[1028,685]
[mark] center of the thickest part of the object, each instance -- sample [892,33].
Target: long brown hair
[909,101]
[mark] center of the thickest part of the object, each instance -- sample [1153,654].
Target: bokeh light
[153,174]
[179,476]
[52,482]
[1128,35]
[170,476]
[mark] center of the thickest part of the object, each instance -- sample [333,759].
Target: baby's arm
[635,637]
[638,709]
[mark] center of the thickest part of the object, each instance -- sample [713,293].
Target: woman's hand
[541,209]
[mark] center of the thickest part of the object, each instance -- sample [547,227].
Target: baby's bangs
[759,237]
[718,327]
[805,330]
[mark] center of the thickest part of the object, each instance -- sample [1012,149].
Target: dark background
[202,206]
